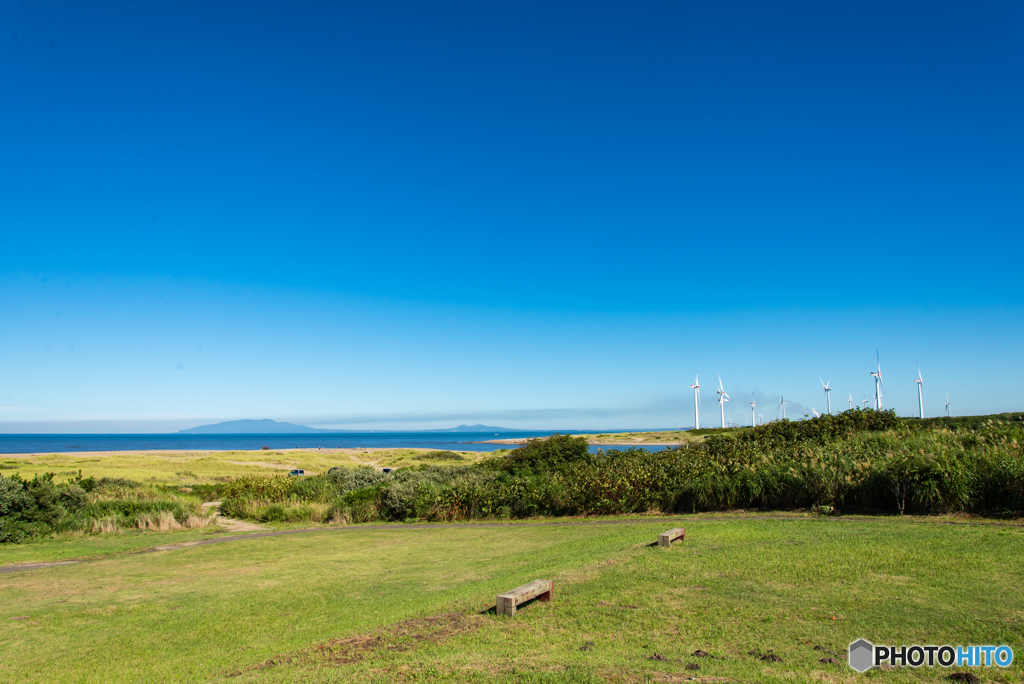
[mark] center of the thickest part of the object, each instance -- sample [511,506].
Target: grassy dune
[654,437]
[410,603]
[201,467]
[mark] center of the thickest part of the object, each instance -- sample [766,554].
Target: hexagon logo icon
[862,655]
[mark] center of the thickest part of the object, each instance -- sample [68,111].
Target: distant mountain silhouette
[267,426]
[477,428]
[253,427]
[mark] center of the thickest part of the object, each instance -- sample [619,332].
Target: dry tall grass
[195,522]
[106,525]
[162,521]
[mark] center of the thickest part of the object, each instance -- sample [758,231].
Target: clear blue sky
[546,215]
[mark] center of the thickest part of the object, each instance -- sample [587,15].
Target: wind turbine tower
[696,403]
[947,405]
[722,398]
[753,409]
[879,385]
[828,397]
[782,407]
[920,393]
[851,400]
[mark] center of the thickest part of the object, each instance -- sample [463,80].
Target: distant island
[267,426]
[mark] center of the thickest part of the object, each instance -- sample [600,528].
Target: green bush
[43,506]
[441,456]
[553,453]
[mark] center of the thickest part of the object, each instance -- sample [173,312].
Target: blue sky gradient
[524,214]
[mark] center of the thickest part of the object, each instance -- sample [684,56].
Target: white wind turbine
[920,393]
[947,405]
[865,402]
[879,385]
[782,407]
[753,409]
[722,398]
[828,397]
[851,401]
[696,403]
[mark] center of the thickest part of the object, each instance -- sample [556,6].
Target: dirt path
[231,524]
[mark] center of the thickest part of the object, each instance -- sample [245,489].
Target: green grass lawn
[409,604]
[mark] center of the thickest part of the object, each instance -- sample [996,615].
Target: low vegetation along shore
[855,461]
[859,460]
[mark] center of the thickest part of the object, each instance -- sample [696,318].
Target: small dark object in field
[822,648]
[692,666]
[771,657]
[964,677]
[829,661]
[754,653]
[266,448]
[701,654]
[657,656]
[587,646]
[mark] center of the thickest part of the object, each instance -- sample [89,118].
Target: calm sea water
[456,441]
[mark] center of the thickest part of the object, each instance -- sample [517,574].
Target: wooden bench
[666,538]
[542,590]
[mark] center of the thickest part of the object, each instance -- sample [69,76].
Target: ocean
[454,441]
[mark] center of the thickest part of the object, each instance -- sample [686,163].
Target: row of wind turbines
[723,397]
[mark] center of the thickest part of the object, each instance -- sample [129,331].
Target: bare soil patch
[401,636]
[231,524]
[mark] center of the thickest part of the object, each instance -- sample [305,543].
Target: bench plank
[666,538]
[506,604]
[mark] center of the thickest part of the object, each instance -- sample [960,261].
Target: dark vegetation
[42,506]
[858,460]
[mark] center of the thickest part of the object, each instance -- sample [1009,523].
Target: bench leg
[548,595]
[504,606]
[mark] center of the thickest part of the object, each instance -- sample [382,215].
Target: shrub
[441,456]
[556,452]
[44,506]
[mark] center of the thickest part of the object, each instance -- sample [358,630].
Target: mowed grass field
[410,603]
[202,467]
